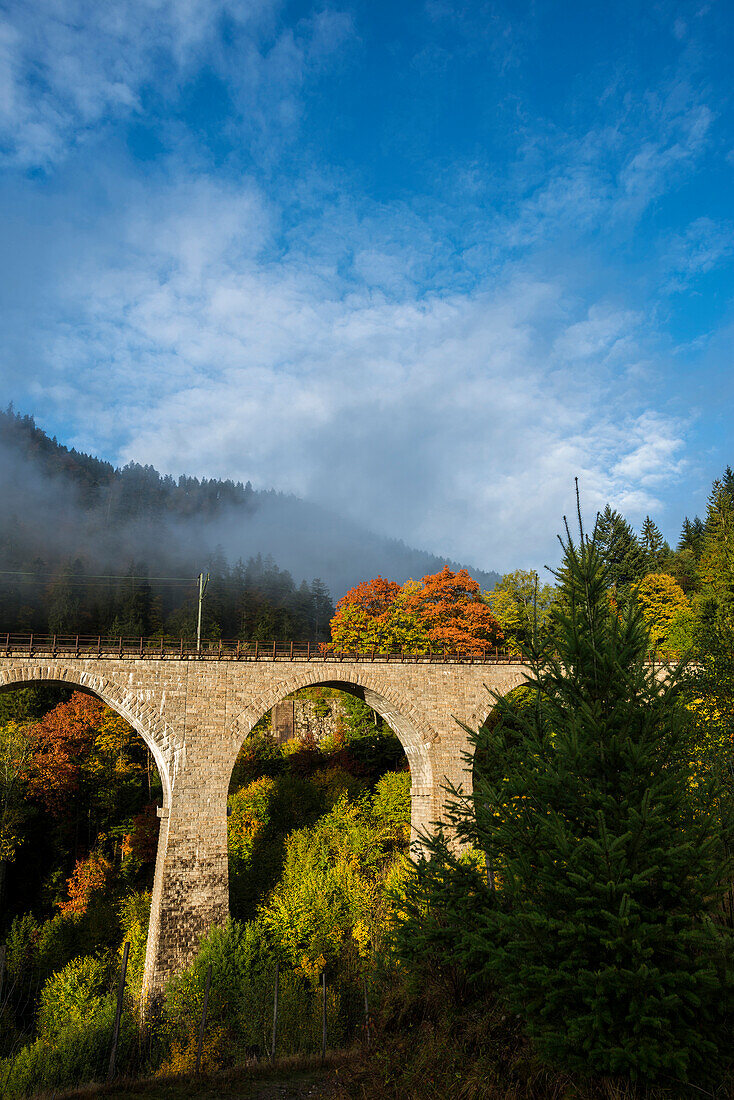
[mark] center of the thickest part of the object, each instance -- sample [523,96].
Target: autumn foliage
[62,739]
[79,744]
[442,610]
[662,602]
[91,876]
[141,843]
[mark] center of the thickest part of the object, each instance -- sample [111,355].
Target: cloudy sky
[423,262]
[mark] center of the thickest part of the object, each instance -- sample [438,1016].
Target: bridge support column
[421,816]
[452,768]
[190,889]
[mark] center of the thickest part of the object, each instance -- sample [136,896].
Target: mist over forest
[68,516]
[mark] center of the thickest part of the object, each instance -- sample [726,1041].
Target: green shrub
[240,959]
[391,801]
[334,783]
[261,814]
[67,935]
[134,918]
[78,1054]
[240,1012]
[331,895]
[72,995]
[21,946]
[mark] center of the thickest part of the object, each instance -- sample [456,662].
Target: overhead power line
[101,580]
[83,577]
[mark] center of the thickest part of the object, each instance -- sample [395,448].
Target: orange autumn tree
[87,770]
[91,876]
[372,615]
[80,746]
[62,741]
[452,612]
[442,610]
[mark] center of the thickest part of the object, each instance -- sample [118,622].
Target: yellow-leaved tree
[665,608]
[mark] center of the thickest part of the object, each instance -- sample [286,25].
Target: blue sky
[423,262]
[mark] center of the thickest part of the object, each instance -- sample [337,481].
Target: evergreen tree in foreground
[608,861]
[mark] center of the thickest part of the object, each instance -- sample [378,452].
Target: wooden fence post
[204,1008]
[275,1010]
[118,1014]
[323,1014]
[366,1011]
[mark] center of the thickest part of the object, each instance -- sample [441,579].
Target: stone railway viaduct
[194,713]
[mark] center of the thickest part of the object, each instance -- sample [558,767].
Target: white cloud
[439,367]
[603,179]
[454,420]
[70,67]
[701,247]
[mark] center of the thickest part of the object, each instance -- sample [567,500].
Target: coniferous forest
[568,932]
[87,548]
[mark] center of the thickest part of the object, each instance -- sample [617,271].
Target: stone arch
[482,711]
[415,734]
[141,716]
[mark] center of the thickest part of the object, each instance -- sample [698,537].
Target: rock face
[194,713]
[309,719]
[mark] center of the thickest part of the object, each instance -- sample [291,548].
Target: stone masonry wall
[194,715]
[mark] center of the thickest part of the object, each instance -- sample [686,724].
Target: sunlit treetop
[443,609]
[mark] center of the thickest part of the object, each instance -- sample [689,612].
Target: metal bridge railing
[165,647]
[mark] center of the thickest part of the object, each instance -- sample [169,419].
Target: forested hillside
[71,522]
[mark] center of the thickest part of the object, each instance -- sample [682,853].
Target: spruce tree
[607,861]
[727,483]
[621,553]
[691,536]
[654,547]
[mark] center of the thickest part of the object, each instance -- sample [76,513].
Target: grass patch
[294,1076]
